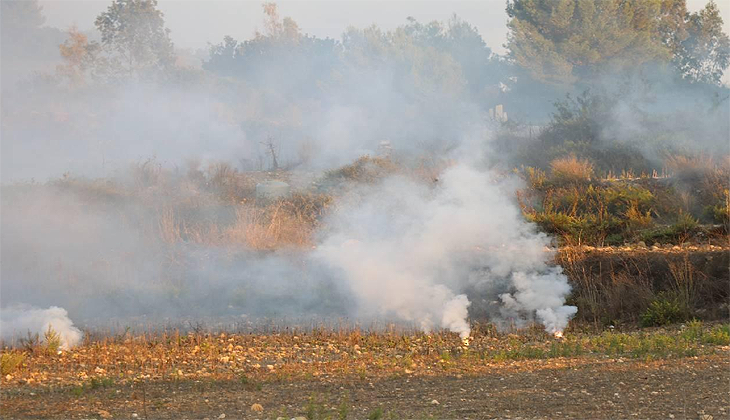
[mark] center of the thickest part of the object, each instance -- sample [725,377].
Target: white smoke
[542,293]
[408,250]
[18,320]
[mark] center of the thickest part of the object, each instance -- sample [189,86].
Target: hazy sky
[194,23]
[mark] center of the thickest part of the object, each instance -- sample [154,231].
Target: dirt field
[568,388]
[679,372]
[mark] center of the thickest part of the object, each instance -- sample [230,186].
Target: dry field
[677,372]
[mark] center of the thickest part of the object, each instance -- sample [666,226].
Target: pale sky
[194,23]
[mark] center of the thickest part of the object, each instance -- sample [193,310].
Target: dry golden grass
[571,169]
[283,223]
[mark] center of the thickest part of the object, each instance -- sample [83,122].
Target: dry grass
[617,286]
[365,169]
[571,169]
[284,223]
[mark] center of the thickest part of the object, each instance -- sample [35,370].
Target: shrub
[365,169]
[9,362]
[571,169]
[52,340]
[664,310]
[679,231]
[720,335]
[535,177]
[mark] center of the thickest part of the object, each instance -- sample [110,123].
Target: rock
[434,402]
[641,244]
[222,416]
[257,407]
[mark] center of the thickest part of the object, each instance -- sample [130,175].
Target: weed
[31,343]
[343,409]
[52,340]
[9,362]
[693,331]
[376,414]
[571,169]
[315,410]
[665,309]
[249,384]
[719,335]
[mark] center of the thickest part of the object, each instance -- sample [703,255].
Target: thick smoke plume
[18,321]
[410,250]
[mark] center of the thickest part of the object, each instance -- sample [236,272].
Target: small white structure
[498,113]
[385,149]
[271,190]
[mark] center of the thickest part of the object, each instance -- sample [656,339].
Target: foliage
[567,40]
[366,169]
[79,57]
[591,213]
[134,37]
[679,231]
[704,54]
[570,169]
[663,310]
[570,41]
[10,362]
[280,53]
[52,340]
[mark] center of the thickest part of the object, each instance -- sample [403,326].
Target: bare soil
[578,388]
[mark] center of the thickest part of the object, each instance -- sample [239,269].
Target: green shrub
[720,335]
[693,331]
[664,310]
[52,341]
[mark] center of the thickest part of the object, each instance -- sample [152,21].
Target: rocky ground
[678,372]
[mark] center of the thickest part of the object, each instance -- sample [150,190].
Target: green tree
[564,41]
[704,54]
[134,37]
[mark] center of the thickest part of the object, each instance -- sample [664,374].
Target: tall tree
[564,41]
[134,36]
[704,54]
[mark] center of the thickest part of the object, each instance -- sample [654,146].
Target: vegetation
[613,35]
[257,360]
[612,211]
[10,361]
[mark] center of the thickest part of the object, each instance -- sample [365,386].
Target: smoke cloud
[434,252]
[17,321]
